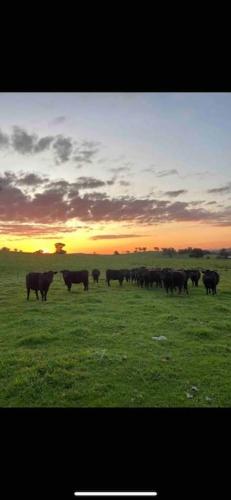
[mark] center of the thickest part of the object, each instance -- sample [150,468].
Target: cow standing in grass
[210,280]
[174,280]
[39,282]
[126,274]
[95,275]
[141,274]
[71,277]
[154,277]
[114,274]
[195,276]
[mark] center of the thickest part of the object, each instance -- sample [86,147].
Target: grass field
[95,348]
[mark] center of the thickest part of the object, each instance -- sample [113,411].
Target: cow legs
[28,293]
[36,292]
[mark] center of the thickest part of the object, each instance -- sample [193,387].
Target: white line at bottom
[115,493]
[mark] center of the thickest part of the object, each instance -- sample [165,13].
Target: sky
[115,171]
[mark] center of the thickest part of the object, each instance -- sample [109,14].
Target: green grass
[95,348]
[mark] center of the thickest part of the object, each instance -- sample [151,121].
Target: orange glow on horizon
[177,235]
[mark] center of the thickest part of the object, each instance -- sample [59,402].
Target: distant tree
[156,249]
[185,250]
[116,252]
[127,251]
[144,249]
[168,251]
[39,252]
[197,253]
[4,249]
[59,248]
[223,254]
[15,249]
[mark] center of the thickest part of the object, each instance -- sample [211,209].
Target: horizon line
[112,253]
[116,493]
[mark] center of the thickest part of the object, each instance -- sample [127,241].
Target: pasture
[96,349]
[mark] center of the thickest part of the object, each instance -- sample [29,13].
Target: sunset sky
[115,171]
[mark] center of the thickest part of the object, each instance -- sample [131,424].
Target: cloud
[124,183]
[25,143]
[60,202]
[85,156]
[43,144]
[63,148]
[118,170]
[86,152]
[22,141]
[165,173]
[31,180]
[88,183]
[90,144]
[97,196]
[111,181]
[4,140]
[148,169]
[7,179]
[115,236]
[222,190]
[198,202]
[174,194]
[34,230]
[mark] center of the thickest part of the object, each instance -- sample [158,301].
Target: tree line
[223,253]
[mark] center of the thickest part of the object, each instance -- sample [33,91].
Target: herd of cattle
[167,278]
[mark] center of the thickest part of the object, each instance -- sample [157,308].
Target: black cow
[195,276]
[210,280]
[39,282]
[155,277]
[142,276]
[95,275]
[173,280]
[133,274]
[126,274]
[71,277]
[167,279]
[114,274]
